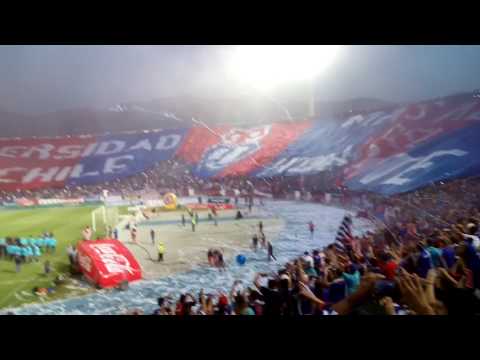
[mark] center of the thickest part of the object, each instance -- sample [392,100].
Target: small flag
[344,233]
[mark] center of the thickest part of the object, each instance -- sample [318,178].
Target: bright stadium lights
[266,67]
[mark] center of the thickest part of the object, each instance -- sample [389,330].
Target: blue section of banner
[328,144]
[453,155]
[116,156]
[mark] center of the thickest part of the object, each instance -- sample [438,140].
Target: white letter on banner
[89,150]
[69,152]
[400,161]
[11,151]
[168,142]
[37,173]
[43,151]
[63,173]
[111,165]
[284,164]
[4,172]
[104,149]
[318,163]
[144,144]
[422,163]
[77,172]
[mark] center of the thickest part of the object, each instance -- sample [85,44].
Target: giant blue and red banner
[389,151]
[38,163]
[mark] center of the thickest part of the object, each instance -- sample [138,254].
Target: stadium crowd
[166,176]
[422,259]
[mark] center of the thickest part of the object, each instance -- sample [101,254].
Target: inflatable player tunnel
[107,263]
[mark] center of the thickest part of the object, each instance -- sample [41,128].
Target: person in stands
[352,279]
[241,306]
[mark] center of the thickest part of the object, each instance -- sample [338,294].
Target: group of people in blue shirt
[27,249]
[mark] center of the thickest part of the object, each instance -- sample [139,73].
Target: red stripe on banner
[277,140]
[35,163]
[197,141]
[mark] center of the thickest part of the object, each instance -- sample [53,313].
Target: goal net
[102,218]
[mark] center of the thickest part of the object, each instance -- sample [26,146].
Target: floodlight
[267,66]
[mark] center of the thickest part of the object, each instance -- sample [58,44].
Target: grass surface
[66,224]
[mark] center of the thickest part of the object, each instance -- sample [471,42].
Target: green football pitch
[65,223]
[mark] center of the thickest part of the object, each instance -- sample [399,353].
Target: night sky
[48,78]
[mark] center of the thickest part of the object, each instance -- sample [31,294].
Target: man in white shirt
[308,259]
[472,230]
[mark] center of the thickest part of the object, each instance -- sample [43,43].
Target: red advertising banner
[107,263]
[61,201]
[26,202]
[211,206]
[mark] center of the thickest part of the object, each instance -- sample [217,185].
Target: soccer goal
[103,217]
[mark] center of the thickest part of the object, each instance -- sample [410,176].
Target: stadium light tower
[266,67]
